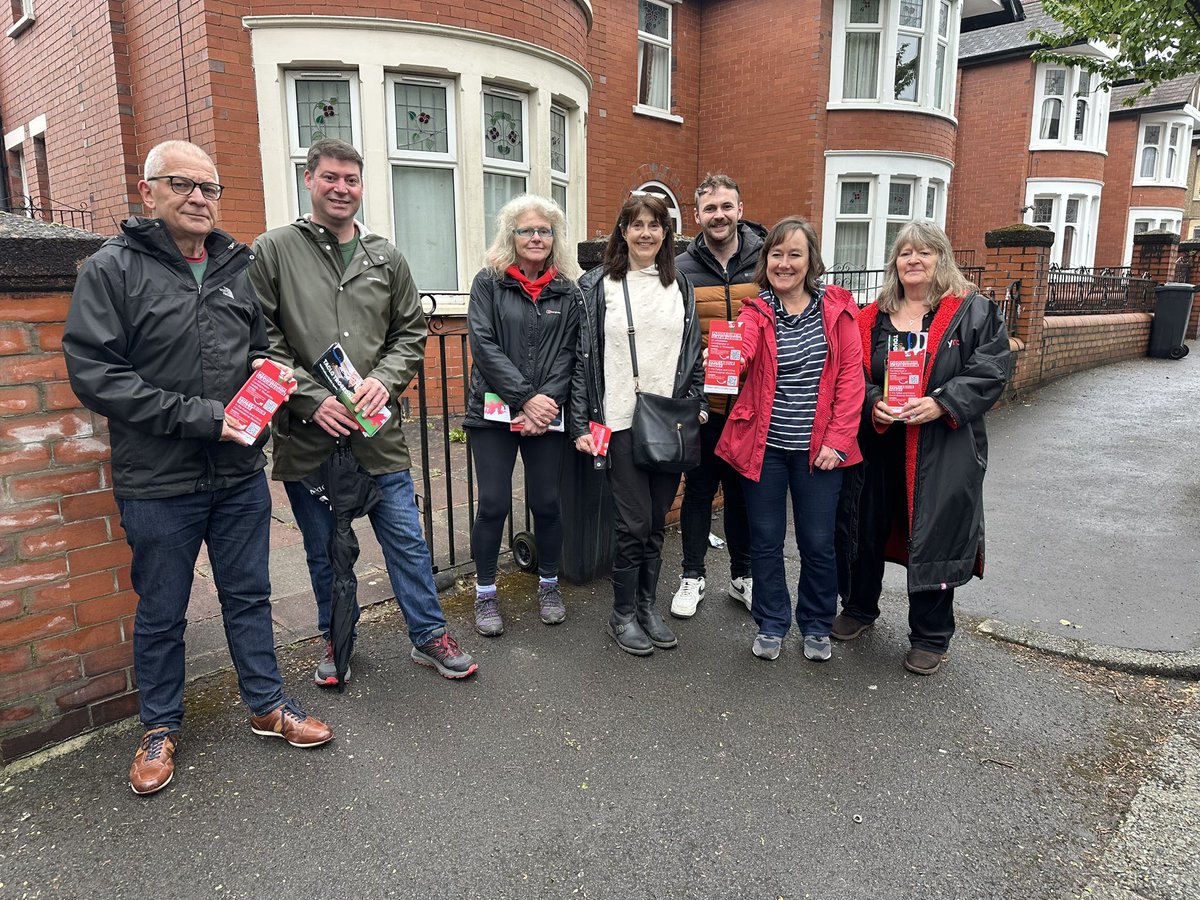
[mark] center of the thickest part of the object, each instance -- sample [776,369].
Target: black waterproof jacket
[160,357]
[945,460]
[520,348]
[587,384]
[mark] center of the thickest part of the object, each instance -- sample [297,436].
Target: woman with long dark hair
[637,287]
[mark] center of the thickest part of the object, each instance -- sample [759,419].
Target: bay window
[1070,208]
[895,53]
[1162,143]
[1070,111]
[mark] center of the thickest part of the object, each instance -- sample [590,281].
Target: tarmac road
[566,768]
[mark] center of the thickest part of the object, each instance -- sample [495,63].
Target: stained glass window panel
[912,13]
[422,121]
[654,19]
[900,198]
[856,198]
[323,111]
[503,128]
[864,12]
[558,141]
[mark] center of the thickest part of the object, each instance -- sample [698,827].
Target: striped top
[801,351]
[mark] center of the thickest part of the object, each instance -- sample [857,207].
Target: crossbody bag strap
[632,342]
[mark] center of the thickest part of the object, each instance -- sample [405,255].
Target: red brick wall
[1075,343]
[1118,187]
[762,90]
[624,149]
[66,605]
[72,67]
[992,158]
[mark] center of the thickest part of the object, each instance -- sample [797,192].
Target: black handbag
[666,430]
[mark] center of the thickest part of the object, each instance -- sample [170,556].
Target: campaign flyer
[601,436]
[336,372]
[903,381]
[724,363]
[496,410]
[258,399]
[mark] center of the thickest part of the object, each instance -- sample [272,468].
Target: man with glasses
[720,264]
[325,279]
[163,330]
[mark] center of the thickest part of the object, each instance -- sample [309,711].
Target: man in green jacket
[326,279]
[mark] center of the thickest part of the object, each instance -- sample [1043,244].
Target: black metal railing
[1086,291]
[441,467]
[45,209]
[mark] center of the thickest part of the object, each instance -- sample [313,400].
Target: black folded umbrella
[349,491]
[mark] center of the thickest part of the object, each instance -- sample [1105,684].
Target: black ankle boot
[647,597]
[623,624]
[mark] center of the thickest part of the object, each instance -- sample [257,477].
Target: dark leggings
[495,453]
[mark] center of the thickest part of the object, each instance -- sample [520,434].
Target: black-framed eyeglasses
[544,233]
[209,190]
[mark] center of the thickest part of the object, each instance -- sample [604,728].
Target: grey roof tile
[1008,37]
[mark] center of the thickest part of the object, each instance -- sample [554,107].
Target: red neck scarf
[533,288]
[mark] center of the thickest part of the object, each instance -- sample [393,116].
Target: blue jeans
[397,526]
[165,536]
[814,513]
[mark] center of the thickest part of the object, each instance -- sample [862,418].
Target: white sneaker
[740,589]
[687,598]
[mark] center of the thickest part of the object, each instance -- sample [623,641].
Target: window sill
[1071,147]
[1150,182]
[893,106]
[655,113]
[22,24]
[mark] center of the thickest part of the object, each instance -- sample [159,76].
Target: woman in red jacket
[792,429]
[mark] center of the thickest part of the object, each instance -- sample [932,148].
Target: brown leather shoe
[290,723]
[923,662]
[154,763]
[847,628]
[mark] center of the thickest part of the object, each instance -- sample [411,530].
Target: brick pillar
[66,605]
[1018,259]
[1187,269]
[1154,255]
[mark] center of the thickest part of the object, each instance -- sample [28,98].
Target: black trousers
[695,514]
[930,613]
[494,451]
[641,501]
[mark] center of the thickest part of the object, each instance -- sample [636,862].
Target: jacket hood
[149,236]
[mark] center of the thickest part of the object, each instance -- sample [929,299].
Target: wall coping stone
[1019,236]
[42,256]
[1156,237]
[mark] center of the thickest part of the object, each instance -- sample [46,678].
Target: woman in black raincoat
[917,499]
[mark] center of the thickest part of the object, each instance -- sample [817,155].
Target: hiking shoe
[550,605]
[767,646]
[442,652]
[923,662]
[817,647]
[487,616]
[847,628]
[289,722]
[326,674]
[154,763]
[740,590]
[687,598]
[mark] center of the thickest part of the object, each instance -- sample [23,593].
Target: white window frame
[1157,218]
[929,87]
[880,169]
[409,159]
[24,21]
[646,39]
[507,168]
[1181,125]
[661,190]
[560,179]
[298,155]
[1095,102]
[1060,191]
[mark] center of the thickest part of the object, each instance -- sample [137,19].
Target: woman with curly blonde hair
[522,325]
